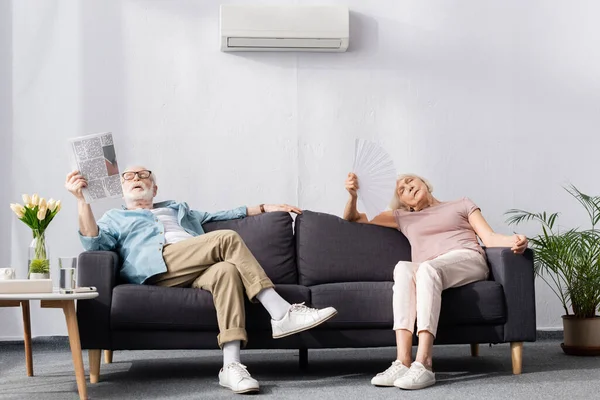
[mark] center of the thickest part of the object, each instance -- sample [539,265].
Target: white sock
[231,352]
[274,303]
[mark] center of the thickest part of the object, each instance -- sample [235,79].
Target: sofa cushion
[363,305]
[477,303]
[144,307]
[360,305]
[270,237]
[330,249]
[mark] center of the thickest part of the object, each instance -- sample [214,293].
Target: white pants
[418,286]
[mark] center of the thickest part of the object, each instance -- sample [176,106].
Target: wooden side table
[53,300]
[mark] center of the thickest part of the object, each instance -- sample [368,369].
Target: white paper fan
[376,177]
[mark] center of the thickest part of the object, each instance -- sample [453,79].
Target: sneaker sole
[417,387]
[249,390]
[381,385]
[305,328]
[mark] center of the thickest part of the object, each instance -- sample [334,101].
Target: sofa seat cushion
[363,305]
[478,303]
[360,305]
[145,307]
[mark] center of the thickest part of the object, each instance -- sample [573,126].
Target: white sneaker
[236,377]
[417,377]
[300,318]
[389,376]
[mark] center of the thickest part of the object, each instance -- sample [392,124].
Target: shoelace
[240,370]
[302,308]
[395,367]
[414,373]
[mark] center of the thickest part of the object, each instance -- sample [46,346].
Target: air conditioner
[284,28]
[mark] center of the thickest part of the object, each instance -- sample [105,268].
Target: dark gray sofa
[327,262]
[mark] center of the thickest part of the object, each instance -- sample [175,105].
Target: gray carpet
[332,374]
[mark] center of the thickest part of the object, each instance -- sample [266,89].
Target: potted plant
[569,262]
[37,214]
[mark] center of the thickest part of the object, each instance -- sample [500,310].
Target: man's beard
[146,194]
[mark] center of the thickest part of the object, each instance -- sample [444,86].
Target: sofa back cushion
[330,249]
[270,238]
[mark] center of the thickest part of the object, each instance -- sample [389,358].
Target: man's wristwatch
[262,208]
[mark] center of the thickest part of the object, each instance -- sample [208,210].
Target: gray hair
[396,203]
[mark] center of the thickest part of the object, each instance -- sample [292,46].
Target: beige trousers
[221,263]
[418,286]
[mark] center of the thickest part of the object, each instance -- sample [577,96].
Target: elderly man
[218,262]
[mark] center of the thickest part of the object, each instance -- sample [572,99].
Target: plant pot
[581,336]
[39,276]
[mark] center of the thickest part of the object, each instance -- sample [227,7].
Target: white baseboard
[551,329]
[11,338]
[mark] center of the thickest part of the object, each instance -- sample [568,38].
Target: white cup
[7,273]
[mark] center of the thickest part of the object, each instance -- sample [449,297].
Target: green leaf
[568,262]
[39,266]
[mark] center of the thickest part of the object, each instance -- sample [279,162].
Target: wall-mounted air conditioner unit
[284,28]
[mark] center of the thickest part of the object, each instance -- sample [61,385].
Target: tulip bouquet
[37,213]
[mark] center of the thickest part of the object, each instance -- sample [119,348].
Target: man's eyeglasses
[129,175]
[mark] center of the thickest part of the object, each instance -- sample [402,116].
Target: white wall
[493,100]
[6,135]
[5,128]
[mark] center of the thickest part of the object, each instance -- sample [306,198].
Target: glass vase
[39,257]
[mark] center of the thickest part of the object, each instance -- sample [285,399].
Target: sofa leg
[108,354]
[303,358]
[474,349]
[94,356]
[516,351]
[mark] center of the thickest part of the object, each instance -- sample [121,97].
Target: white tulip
[35,199]
[42,203]
[51,204]
[58,204]
[41,213]
[18,209]
[26,199]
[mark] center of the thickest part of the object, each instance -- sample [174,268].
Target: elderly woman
[445,254]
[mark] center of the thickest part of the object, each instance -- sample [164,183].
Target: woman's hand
[282,207]
[520,244]
[352,184]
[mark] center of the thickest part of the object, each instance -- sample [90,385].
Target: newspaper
[95,158]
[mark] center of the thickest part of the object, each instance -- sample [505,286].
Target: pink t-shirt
[439,229]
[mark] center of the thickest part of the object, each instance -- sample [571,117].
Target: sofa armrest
[99,269]
[516,275]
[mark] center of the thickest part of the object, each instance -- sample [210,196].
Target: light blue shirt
[138,236]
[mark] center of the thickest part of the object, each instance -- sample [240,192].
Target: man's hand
[87,223]
[520,244]
[74,183]
[272,208]
[352,185]
[282,207]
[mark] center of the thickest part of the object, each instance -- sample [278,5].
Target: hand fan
[376,177]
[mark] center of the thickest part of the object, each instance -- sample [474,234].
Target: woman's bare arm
[351,211]
[517,243]
[386,219]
